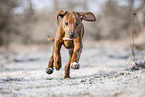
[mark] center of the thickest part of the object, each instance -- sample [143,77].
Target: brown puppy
[69,33]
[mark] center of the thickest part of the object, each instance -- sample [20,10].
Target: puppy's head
[71,22]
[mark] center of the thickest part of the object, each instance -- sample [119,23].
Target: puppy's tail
[50,39]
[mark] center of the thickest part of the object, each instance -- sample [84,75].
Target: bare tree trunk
[29,10]
[131,4]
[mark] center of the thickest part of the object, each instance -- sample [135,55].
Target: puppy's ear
[60,13]
[88,16]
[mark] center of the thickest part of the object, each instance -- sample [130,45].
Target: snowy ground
[103,73]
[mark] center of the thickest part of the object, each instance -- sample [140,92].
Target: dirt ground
[104,72]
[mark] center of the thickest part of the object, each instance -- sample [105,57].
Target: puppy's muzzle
[72,34]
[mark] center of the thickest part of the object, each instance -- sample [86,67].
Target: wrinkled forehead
[72,17]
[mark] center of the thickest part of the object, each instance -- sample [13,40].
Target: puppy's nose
[71,34]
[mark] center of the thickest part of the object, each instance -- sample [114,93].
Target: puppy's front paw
[49,70]
[75,65]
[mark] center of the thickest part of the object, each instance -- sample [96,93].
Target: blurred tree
[29,9]
[6,20]
[32,26]
[141,14]
[114,21]
[131,4]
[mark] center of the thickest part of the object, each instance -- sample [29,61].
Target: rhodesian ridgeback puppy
[69,33]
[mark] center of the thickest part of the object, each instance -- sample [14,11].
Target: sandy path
[102,74]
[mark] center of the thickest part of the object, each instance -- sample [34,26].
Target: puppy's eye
[66,23]
[77,23]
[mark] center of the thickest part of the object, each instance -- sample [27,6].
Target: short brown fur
[69,33]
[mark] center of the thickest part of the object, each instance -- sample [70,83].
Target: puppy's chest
[68,44]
